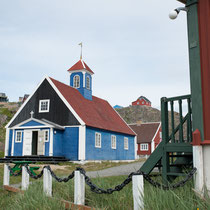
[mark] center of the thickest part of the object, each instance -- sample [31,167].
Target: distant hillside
[7,110]
[132,114]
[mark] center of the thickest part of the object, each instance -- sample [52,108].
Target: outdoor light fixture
[174,13]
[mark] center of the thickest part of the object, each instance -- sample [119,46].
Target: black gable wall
[58,113]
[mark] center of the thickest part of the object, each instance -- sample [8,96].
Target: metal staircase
[174,154]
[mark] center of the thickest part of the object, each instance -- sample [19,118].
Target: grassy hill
[7,110]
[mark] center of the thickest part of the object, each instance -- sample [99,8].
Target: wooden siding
[58,113]
[204,39]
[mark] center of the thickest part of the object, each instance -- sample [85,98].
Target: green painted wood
[178,98]
[153,159]
[180,122]
[180,147]
[195,67]
[172,121]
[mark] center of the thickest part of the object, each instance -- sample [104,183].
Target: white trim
[84,78]
[51,142]
[21,135]
[65,101]
[115,144]
[88,77]
[154,137]
[82,143]
[72,126]
[126,147]
[13,142]
[99,134]
[82,70]
[6,148]
[83,64]
[75,83]
[23,105]
[40,105]
[28,120]
[135,147]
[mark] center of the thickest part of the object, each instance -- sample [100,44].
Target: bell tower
[81,78]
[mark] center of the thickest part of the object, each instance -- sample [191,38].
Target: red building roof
[145,131]
[80,65]
[97,113]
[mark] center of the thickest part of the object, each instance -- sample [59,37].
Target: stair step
[176,174]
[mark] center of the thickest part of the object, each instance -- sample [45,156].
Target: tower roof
[80,65]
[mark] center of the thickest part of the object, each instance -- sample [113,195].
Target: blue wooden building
[68,121]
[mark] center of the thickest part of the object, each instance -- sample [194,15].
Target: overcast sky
[132,46]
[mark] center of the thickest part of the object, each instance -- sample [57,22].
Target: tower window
[88,82]
[76,81]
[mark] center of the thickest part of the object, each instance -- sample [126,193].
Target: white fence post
[47,182]
[79,188]
[6,174]
[25,178]
[138,192]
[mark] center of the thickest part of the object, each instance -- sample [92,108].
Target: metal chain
[32,175]
[66,179]
[13,173]
[174,186]
[119,187]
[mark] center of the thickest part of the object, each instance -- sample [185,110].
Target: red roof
[145,131]
[80,65]
[97,113]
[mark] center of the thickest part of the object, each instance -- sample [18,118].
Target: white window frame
[88,82]
[98,140]
[40,105]
[126,143]
[160,135]
[16,135]
[144,147]
[48,137]
[113,142]
[76,81]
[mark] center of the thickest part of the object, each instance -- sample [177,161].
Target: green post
[195,66]
[165,137]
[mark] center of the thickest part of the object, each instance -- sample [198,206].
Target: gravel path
[116,171]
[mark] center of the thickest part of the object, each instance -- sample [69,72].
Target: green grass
[34,198]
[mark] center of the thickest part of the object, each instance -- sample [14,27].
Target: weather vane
[81,50]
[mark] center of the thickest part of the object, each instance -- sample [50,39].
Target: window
[144,147]
[76,82]
[98,140]
[142,102]
[44,105]
[126,143]
[46,136]
[113,142]
[18,137]
[88,82]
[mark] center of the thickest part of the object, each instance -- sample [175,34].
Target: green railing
[176,129]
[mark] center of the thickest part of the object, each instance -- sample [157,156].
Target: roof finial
[81,50]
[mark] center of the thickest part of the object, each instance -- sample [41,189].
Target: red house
[142,101]
[149,135]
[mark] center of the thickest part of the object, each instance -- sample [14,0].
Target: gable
[32,123]
[58,113]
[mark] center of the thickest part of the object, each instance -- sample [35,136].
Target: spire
[81,50]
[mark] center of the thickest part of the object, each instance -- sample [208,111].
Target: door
[34,142]
[27,140]
[41,143]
